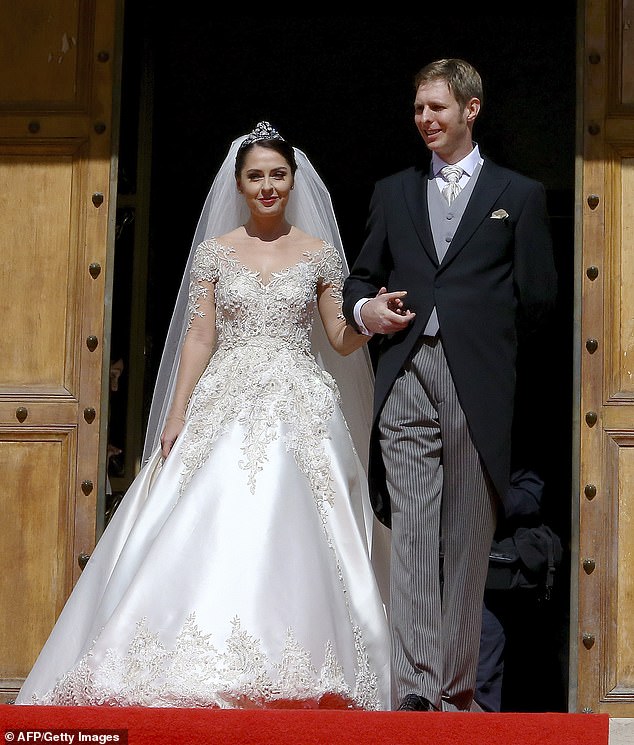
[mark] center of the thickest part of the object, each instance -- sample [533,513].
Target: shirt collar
[468,163]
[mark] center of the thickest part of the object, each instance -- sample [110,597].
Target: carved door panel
[604,651]
[58,62]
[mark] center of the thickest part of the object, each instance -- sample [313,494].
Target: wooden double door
[60,64]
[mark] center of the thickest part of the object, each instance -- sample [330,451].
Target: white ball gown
[236,572]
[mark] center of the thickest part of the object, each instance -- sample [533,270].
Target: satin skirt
[229,592]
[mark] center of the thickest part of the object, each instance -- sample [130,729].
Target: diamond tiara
[262,131]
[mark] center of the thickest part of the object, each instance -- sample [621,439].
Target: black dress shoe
[414,702]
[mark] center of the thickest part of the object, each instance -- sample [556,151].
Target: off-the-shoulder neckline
[309,257]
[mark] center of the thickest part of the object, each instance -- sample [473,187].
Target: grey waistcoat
[444,219]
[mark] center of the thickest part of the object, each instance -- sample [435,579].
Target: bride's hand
[172,429]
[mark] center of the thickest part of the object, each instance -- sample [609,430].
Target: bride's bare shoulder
[230,238]
[306,241]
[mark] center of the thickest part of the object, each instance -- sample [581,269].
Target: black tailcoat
[496,282]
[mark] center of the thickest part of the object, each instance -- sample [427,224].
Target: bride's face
[265,181]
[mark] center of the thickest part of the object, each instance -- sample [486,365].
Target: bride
[236,572]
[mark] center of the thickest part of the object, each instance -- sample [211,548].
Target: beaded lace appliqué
[263,372]
[194,673]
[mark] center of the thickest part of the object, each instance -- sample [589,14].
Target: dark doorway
[341,90]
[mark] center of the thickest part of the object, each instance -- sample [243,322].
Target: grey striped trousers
[442,502]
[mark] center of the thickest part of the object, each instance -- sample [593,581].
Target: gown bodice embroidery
[250,311]
[263,371]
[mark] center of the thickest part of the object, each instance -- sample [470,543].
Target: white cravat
[451,174]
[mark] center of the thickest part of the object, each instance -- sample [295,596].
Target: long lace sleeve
[205,269]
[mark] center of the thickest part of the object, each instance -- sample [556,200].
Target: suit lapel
[490,184]
[415,197]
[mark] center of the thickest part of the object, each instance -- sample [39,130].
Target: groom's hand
[385,312]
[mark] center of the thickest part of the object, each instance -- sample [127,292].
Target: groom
[461,256]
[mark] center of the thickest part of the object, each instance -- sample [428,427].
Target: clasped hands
[385,313]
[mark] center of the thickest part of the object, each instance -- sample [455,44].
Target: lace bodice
[262,371]
[250,311]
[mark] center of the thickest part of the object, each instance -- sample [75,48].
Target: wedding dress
[235,573]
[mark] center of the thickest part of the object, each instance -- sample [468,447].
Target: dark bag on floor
[526,560]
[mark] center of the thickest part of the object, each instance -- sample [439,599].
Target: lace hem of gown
[195,674]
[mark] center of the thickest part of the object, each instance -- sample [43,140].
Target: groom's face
[443,123]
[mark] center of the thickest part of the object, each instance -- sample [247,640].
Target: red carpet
[71,725]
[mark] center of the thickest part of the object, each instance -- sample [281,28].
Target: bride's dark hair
[285,149]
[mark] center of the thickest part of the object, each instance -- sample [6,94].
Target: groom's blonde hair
[463,79]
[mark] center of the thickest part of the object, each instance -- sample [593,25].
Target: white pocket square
[499,215]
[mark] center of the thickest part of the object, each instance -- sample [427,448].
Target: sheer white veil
[310,209]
